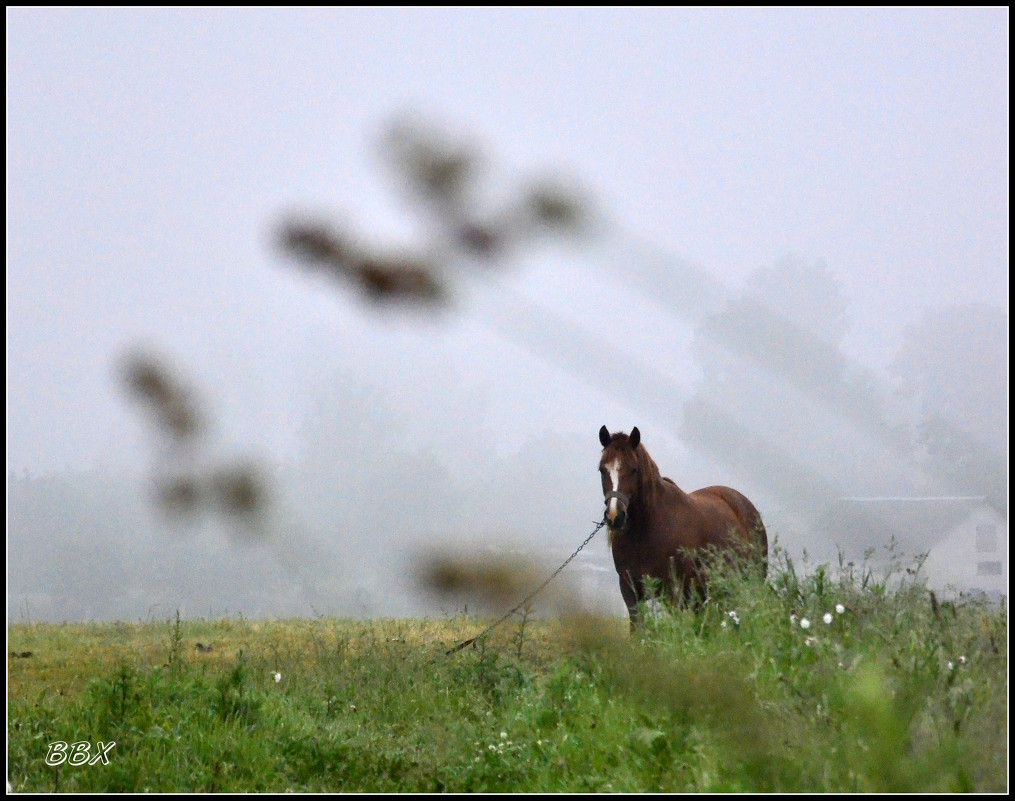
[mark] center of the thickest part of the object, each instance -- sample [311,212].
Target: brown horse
[659,532]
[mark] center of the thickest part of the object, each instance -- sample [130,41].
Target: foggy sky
[151,154]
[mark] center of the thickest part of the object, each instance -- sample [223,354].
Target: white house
[973,554]
[965,540]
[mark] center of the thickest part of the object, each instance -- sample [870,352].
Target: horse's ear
[604,436]
[635,437]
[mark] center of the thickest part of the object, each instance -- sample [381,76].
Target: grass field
[895,692]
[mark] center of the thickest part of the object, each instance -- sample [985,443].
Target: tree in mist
[953,367]
[86,545]
[788,322]
[774,381]
[66,536]
[361,469]
[805,291]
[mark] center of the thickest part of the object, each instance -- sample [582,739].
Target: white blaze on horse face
[613,468]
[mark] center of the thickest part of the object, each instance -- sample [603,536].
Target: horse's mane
[650,478]
[646,464]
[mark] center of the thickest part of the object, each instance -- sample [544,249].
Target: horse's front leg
[694,596]
[630,595]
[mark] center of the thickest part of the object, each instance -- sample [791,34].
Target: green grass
[898,693]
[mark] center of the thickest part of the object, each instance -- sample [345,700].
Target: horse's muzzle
[615,514]
[619,519]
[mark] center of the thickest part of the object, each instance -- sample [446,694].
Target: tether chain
[530,596]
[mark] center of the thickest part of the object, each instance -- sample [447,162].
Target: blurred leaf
[435,167]
[153,384]
[179,494]
[240,489]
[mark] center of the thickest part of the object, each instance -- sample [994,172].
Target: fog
[296,299]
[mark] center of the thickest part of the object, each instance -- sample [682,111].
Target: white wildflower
[792,620]
[839,609]
[951,666]
[827,618]
[962,660]
[810,641]
[503,735]
[277,677]
[805,623]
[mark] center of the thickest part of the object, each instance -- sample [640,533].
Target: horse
[660,533]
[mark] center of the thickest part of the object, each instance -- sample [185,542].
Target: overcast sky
[150,155]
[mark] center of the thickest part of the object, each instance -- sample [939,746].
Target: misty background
[790,274]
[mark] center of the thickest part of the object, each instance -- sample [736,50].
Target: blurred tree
[773,373]
[787,324]
[807,293]
[953,367]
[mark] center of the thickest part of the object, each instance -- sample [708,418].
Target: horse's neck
[652,492]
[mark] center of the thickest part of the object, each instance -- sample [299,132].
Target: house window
[988,568]
[986,538]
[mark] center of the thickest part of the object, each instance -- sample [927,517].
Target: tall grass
[756,692]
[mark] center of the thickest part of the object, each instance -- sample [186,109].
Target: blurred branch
[167,399]
[183,485]
[443,179]
[379,278]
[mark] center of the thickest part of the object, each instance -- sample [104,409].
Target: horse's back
[743,512]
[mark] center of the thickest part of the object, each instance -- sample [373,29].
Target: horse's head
[620,472]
